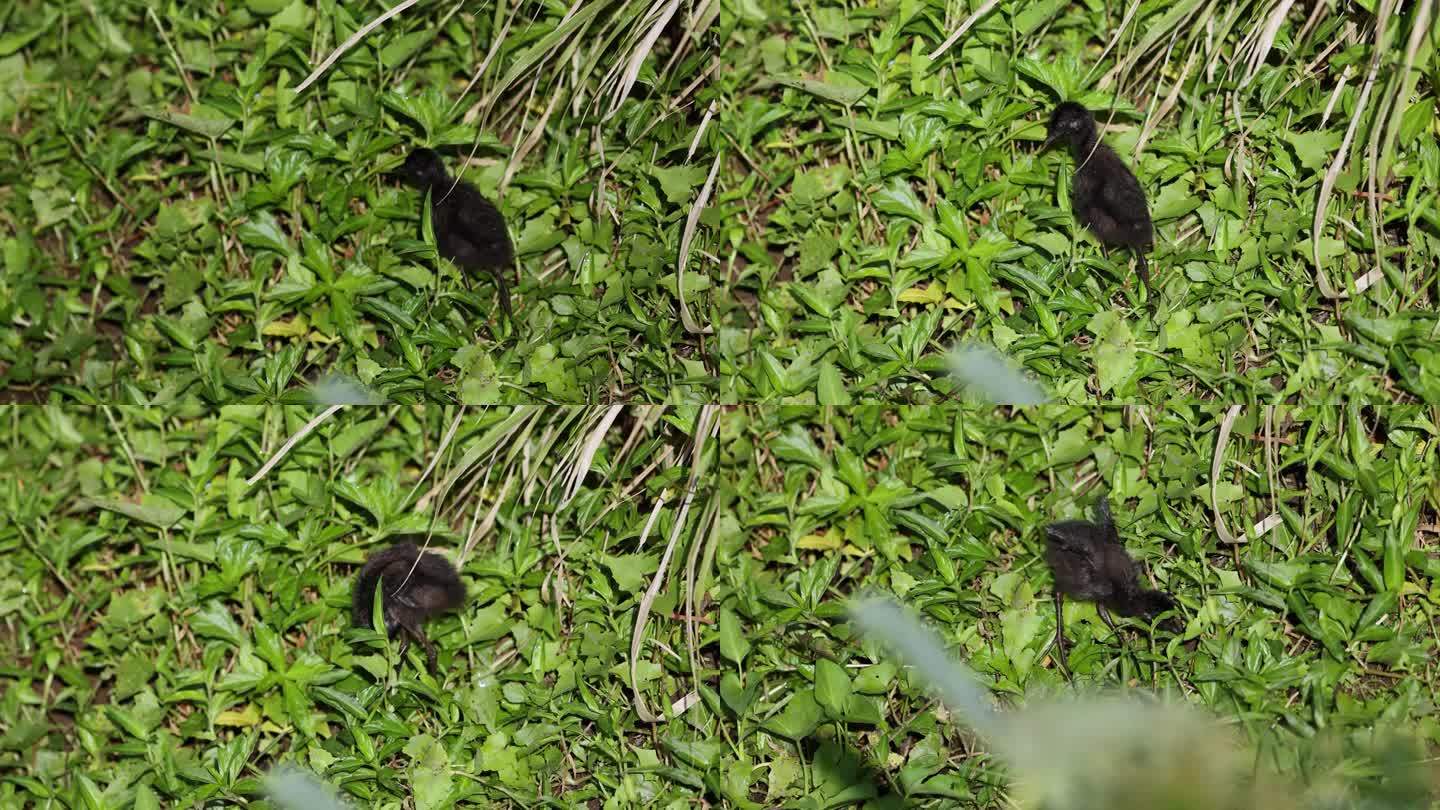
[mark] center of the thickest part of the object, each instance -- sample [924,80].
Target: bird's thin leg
[430,656]
[1105,614]
[470,285]
[1149,292]
[419,635]
[1124,647]
[409,627]
[502,289]
[1143,268]
[1060,636]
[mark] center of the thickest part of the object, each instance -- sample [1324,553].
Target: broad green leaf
[152,510]
[832,688]
[1316,150]
[209,127]
[898,199]
[700,753]
[830,386]
[215,621]
[799,717]
[262,231]
[680,183]
[631,571]
[796,445]
[1114,350]
[13,41]
[733,644]
[735,695]
[840,88]
[402,48]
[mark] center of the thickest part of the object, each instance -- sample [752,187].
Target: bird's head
[422,168]
[1070,123]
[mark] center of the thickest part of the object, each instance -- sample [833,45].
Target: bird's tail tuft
[1149,604]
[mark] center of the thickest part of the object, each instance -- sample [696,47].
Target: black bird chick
[416,586]
[1090,563]
[469,229]
[1105,194]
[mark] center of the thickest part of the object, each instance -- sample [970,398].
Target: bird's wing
[1122,196]
[1085,187]
[479,222]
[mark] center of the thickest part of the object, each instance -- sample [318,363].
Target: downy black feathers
[1090,564]
[469,229]
[1105,195]
[415,586]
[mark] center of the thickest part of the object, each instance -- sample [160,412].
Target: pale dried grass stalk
[691,325]
[643,614]
[705,425]
[1327,185]
[1265,39]
[291,442]
[660,13]
[592,443]
[1226,424]
[979,13]
[438,454]
[350,43]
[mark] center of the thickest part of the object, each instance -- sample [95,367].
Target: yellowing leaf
[931,294]
[295,327]
[246,717]
[829,541]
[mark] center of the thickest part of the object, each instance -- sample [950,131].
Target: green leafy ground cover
[890,204]
[171,632]
[184,237]
[182,224]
